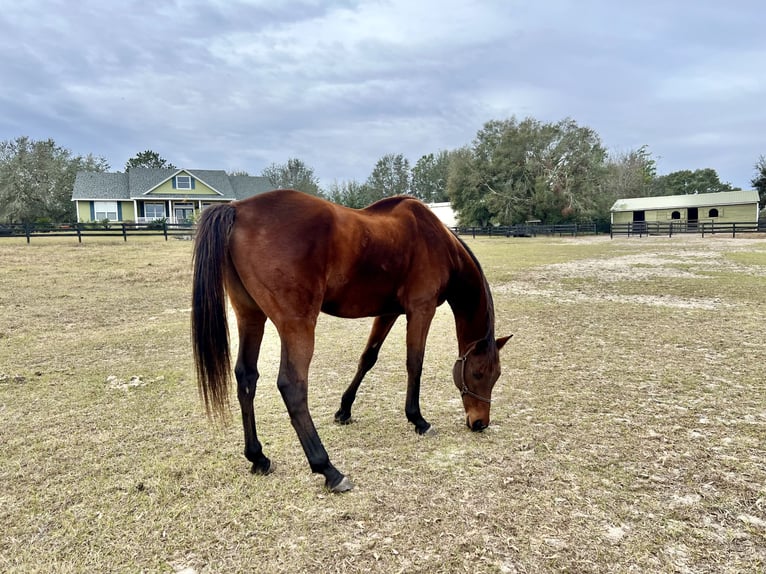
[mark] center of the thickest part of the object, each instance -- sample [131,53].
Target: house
[689,210]
[142,195]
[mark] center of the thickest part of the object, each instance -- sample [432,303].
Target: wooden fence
[80,230]
[527,230]
[641,228]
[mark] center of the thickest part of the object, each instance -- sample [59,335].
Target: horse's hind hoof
[343,486]
[262,467]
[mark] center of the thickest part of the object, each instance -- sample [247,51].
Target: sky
[240,85]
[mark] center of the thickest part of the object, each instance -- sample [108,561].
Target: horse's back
[344,261]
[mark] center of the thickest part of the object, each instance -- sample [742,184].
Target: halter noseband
[464,390]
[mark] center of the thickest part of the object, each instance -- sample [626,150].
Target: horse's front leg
[292,382]
[246,372]
[418,323]
[381,327]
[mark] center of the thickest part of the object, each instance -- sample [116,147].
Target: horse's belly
[357,305]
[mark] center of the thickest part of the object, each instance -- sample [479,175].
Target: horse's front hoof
[262,467]
[343,417]
[343,486]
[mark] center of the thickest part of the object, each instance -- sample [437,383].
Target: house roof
[685,201]
[137,182]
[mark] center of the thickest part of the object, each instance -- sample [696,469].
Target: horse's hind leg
[250,326]
[380,330]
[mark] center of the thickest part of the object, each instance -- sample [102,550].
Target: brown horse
[286,256]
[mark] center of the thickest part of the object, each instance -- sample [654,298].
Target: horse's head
[475,374]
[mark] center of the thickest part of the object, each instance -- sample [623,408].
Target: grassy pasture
[628,434]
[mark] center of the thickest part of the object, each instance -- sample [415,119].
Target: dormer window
[183,182]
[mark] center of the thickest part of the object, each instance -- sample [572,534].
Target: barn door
[639,222]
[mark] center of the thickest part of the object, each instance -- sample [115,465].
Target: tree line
[513,171]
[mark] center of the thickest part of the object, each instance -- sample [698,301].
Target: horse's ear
[502,341]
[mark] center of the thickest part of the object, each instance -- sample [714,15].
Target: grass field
[628,434]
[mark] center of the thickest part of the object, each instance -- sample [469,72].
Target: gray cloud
[239,85]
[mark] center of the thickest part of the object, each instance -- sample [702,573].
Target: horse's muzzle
[477,426]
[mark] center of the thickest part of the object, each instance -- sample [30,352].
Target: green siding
[128,213]
[166,189]
[84,210]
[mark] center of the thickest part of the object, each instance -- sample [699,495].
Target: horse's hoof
[426,431]
[262,467]
[343,486]
[343,418]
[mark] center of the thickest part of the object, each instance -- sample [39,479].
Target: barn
[688,210]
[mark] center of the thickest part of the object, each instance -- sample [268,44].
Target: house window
[183,182]
[184,212]
[105,210]
[154,210]
[712,213]
[675,215]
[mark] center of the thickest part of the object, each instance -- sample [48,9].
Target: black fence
[528,230]
[641,228]
[80,230]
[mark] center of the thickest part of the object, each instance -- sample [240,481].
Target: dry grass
[628,433]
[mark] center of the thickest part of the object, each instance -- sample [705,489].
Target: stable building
[688,210]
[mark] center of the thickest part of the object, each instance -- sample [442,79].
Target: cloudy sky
[238,85]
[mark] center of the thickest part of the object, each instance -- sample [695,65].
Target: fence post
[124,233]
[79,233]
[28,231]
[165,229]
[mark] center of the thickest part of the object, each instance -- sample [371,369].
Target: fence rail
[526,230]
[703,228]
[80,230]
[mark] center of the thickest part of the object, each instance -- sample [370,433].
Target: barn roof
[685,201]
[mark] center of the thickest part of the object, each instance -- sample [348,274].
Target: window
[154,210]
[675,215]
[105,210]
[184,212]
[712,213]
[183,182]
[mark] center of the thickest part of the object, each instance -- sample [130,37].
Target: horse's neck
[470,301]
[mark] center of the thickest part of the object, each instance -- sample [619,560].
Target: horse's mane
[487,292]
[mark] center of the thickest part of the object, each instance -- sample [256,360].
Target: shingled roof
[137,182]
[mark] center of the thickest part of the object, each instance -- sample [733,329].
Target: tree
[759,181]
[627,174]
[37,179]
[293,175]
[521,170]
[686,182]
[349,193]
[149,159]
[391,176]
[466,193]
[429,177]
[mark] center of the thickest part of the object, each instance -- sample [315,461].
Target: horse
[287,256]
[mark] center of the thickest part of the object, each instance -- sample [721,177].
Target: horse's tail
[209,326]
